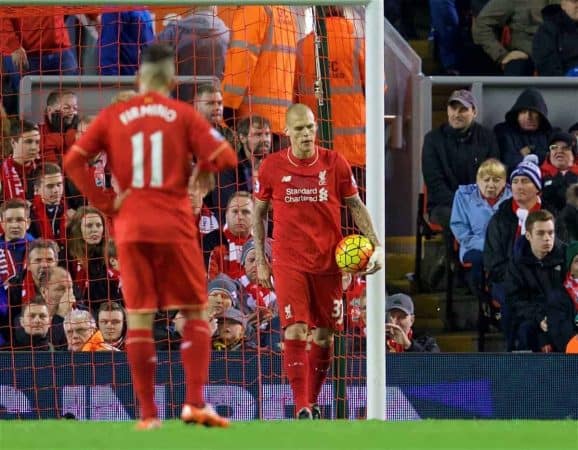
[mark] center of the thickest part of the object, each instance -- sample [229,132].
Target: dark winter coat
[556,43]
[499,241]
[511,138]
[451,158]
[535,289]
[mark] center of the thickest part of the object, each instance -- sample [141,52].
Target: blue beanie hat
[250,245]
[529,168]
[225,283]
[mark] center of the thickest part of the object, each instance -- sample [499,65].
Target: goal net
[241,67]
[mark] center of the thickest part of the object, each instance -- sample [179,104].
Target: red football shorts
[315,299]
[162,276]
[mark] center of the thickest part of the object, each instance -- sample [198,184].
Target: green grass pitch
[272,435]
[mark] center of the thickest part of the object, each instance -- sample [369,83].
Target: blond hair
[493,168]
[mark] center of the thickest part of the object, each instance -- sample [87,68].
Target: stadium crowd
[58,260]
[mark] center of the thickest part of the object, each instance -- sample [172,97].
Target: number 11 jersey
[150,142]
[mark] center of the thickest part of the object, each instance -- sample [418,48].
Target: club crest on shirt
[288,312]
[323,178]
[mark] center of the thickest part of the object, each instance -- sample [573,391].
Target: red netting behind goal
[61,66]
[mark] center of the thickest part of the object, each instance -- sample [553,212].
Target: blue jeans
[445,23]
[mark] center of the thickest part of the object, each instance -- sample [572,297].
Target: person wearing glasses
[559,170]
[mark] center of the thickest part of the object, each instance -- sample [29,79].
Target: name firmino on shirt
[152,110]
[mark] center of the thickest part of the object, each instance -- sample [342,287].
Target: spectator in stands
[451,157]
[86,248]
[208,100]
[123,36]
[58,131]
[556,41]
[48,212]
[534,288]
[230,335]
[559,170]
[400,317]
[260,65]
[526,129]
[255,142]
[226,258]
[473,207]
[35,45]
[22,288]
[223,294]
[506,225]
[111,323]
[445,23]
[56,290]
[522,17]
[567,220]
[82,334]
[346,78]
[32,334]
[258,303]
[200,40]
[16,172]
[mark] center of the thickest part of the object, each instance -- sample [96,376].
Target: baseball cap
[464,97]
[235,315]
[402,302]
[561,136]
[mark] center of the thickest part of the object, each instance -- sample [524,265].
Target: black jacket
[23,342]
[511,138]
[451,158]
[554,191]
[555,45]
[499,242]
[531,283]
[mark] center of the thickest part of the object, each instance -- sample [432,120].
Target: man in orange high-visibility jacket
[260,63]
[347,82]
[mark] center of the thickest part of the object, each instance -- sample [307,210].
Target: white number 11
[138,156]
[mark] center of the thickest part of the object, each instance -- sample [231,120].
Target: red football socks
[297,369]
[319,360]
[195,356]
[142,357]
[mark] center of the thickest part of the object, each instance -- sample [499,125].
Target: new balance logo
[286,179]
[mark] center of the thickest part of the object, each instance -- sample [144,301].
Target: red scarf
[522,215]
[392,346]
[259,296]
[571,285]
[550,171]
[13,184]
[28,288]
[45,223]
[232,256]
[7,266]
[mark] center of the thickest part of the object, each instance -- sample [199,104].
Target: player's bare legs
[142,357]
[296,365]
[195,356]
[319,359]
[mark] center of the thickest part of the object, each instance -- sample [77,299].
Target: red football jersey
[150,142]
[306,197]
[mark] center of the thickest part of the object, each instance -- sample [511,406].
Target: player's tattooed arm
[261,209]
[362,219]
[263,269]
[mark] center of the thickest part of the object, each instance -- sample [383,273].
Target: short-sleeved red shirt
[150,141]
[306,197]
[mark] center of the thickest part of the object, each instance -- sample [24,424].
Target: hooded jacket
[511,138]
[556,43]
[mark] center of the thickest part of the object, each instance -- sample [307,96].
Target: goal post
[375,151]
